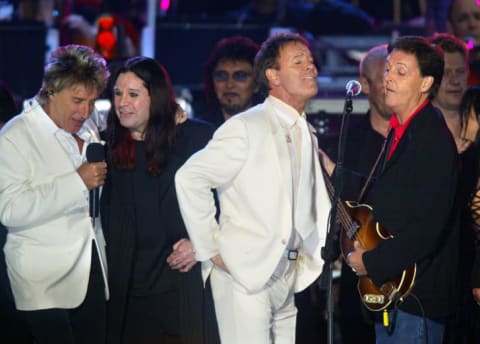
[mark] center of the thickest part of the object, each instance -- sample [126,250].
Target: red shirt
[399,129]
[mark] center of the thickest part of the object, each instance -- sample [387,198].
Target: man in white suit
[274,205]
[55,258]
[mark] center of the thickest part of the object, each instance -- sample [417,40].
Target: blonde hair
[70,65]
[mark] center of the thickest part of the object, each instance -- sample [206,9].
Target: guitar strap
[382,157]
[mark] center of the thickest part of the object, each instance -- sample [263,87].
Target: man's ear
[365,85]
[427,83]
[272,76]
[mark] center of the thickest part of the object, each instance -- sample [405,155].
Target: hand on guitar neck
[355,259]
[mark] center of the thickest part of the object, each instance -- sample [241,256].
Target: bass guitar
[357,224]
[363,228]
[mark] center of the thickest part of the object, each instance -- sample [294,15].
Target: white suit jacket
[44,206]
[248,162]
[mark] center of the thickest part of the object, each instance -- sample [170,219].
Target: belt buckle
[292,254]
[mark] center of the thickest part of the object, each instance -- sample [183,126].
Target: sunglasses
[222,75]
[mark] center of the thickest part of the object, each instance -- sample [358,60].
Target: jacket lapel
[280,137]
[48,146]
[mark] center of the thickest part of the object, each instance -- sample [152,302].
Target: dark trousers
[12,325]
[356,322]
[153,319]
[82,325]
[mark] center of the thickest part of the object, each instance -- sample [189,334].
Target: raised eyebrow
[401,64]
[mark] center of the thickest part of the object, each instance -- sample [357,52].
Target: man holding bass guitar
[363,145]
[412,199]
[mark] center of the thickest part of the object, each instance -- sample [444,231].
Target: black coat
[414,200]
[119,220]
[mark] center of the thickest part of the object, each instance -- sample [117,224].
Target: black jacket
[414,200]
[120,203]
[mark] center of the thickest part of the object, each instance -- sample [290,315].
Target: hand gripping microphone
[353,88]
[95,153]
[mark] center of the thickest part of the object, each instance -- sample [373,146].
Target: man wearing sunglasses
[229,79]
[274,205]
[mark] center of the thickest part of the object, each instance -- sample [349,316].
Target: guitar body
[370,233]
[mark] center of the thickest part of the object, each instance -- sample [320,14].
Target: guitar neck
[342,214]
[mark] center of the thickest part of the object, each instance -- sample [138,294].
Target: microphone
[353,88]
[95,153]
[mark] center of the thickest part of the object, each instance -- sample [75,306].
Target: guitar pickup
[352,230]
[374,298]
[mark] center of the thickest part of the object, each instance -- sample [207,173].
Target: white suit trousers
[264,317]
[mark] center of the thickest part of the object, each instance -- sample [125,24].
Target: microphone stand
[330,251]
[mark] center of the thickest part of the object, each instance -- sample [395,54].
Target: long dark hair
[470,100]
[160,130]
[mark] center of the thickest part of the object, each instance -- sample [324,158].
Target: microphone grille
[354,87]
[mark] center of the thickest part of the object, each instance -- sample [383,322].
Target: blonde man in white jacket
[55,258]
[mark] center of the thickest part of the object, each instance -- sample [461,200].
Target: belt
[291,254]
